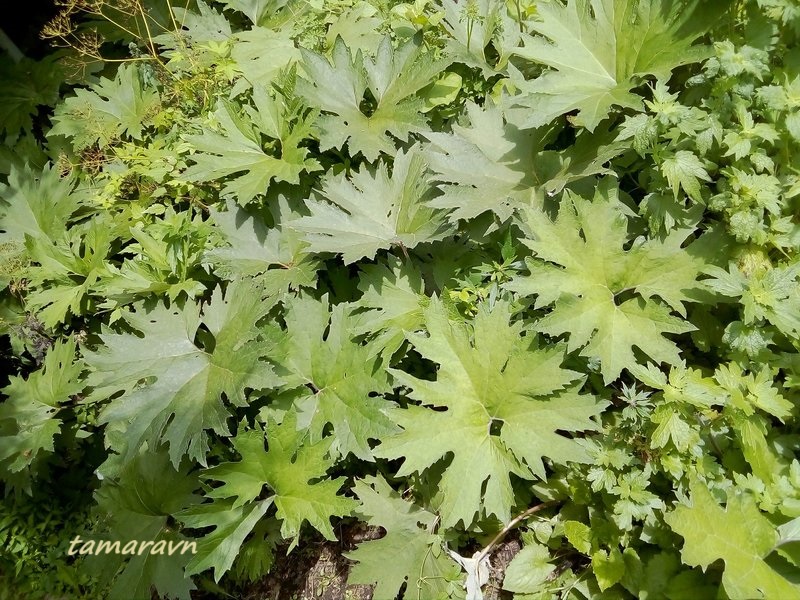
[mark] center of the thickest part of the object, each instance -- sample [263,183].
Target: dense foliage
[461,270]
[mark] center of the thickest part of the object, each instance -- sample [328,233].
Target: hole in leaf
[495,426]
[621,297]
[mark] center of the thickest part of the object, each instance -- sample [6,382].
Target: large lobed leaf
[293,469]
[237,149]
[598,50]
[409,553]
[581,267]
[740,535]
[175,390]
[109,110]
[374,211]
[277,255]
[330,378]
[137,499]
[28,420]
[393,79]
[495,165]
[508,404]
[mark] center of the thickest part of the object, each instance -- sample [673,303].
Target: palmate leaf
[373,210]
[67,270]
[26,85]
[582,268]
[37,204]
[773,295]
[740,535]
[393,78]
[256,10]
[410,552]
[36,208]
[598,49]
[745,396]
[494,165]
[107,111]
[470,37]
[182,396]
[287,468]
[684,170]
[262,54]
[332,379]
[490,377]
[485,166]
[360,26]
[237,149]
[232,524]
[393,302]
[136,502]
[196,29]
[28,419]
[277,255]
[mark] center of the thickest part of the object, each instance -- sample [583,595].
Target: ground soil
[317,570]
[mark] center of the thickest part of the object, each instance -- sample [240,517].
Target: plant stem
[9,46]
[511,524]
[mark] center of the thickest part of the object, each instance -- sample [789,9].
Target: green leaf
[484,166]
[332,379]
[360,26]
[759,389]
[685,170]
[598,50]
[109,110]
[478,32]
[373,210]
[67,272]
[26,85]
[579,535]
[166,260]
[442,91]
[262,54]
[393,302]
[494,165]
[740,535]
[232,524]
[529,570]
[255,10]
[28,419]
[672,425]
[288,467]
[393,79]
[506,407]
[197,31]
[182,396]
[409,553]
[772,295]
[136,501]
[237,150]
[745,393]
[608,568]
[277,252]
[37,204]
[582,268]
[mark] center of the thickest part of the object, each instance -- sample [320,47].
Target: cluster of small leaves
[448,269]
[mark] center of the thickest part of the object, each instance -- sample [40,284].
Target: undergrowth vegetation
[461,271]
